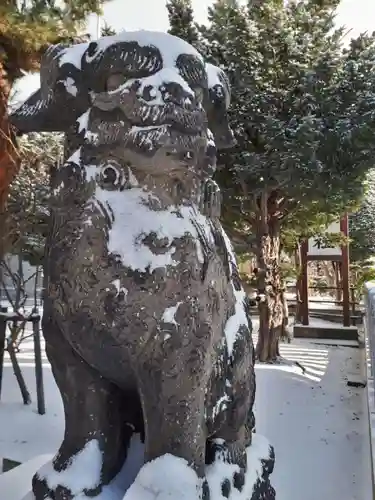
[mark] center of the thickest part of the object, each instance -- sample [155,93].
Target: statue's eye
[115,81]
[110,177]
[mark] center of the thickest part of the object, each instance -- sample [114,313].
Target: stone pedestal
[167,477]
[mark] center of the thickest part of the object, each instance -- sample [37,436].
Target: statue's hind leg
[96,440]
[231,434]
[233,437]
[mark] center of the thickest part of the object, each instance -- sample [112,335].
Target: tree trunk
[9,158]
[338,281]
[271,307]
[298,264]
[285,332]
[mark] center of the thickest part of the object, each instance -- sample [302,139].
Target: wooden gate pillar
[345,272]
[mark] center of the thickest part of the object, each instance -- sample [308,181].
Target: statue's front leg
[96,438]
[174,419]
[172,384]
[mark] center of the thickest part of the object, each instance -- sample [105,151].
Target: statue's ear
[61,99]
[218,121]
[36,115]
[219,95]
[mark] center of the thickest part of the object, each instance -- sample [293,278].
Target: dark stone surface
[9,464]
[146,325]
[263,489]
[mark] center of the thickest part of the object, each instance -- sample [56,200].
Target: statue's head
[134,96]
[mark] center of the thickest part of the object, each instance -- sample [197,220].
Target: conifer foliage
[181,20]
[26,30]
[362,224]
[303,113]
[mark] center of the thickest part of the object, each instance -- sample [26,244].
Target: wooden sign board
[317,251]
[311,250]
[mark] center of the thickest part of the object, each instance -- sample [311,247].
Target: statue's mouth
[146,127]
[184,117]
[147,140]
[173,141]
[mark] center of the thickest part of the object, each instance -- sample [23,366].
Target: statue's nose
[176,93]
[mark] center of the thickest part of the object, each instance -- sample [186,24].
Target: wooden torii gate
[340,255]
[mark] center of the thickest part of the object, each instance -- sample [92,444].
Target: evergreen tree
[27,205]
[181,20]
[362,224]
[107,30]
[26,29]
[302,113]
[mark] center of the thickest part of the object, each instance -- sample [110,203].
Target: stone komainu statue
[146,324]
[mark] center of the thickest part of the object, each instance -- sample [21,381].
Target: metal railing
[369,339]
[369,299]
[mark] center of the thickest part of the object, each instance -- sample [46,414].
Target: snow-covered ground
[318,425]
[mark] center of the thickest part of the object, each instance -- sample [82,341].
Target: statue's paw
[210,491]
[74,481]
[226,468]
[42,490]
[236,473]
[229,453]
[40,487]
[167,478]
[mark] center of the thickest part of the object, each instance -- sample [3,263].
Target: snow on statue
[146,323]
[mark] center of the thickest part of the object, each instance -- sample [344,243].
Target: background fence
[369,300]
